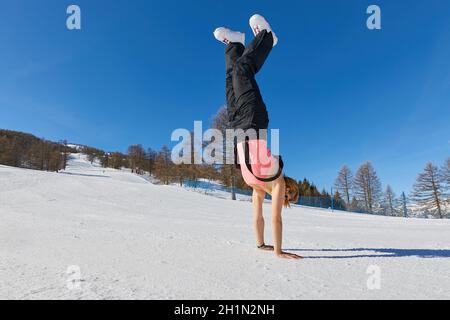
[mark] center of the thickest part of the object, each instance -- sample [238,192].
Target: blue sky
[338,92]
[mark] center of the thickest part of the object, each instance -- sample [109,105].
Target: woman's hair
[293,191]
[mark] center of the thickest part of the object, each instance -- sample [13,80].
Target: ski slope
[94,233]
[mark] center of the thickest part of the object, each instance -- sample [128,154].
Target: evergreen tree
[338,202]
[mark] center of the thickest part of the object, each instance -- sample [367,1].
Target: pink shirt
[263,164]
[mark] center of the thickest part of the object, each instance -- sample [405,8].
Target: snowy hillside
[94,233]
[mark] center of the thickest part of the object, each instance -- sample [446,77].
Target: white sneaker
[226,35]
[258,24]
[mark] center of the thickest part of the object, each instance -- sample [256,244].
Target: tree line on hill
[361,192]
[24,150]
[159,165]
[18,149]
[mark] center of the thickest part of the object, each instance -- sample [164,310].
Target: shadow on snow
[354,253]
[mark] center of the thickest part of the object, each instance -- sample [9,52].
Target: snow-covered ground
[94,233]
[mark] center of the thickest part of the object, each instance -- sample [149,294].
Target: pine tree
[367,187]
[428,191]
[344,182]
[338,202]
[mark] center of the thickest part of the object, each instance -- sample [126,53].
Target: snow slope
[94,233]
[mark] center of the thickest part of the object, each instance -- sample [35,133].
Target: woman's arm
[277,206]
[278,194]
[258,218]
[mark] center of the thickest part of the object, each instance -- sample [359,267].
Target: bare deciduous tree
[404,205]
[164,166]
[150,156]
[228,171]
[136,157]
[446,172]
[367,186]
[65,154]
[344,183]
[428,190]
[389,202]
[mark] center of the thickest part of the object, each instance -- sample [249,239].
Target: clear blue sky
[339,93]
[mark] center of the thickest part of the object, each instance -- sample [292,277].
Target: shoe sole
[257,21]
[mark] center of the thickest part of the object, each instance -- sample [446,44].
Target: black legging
[246,108]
